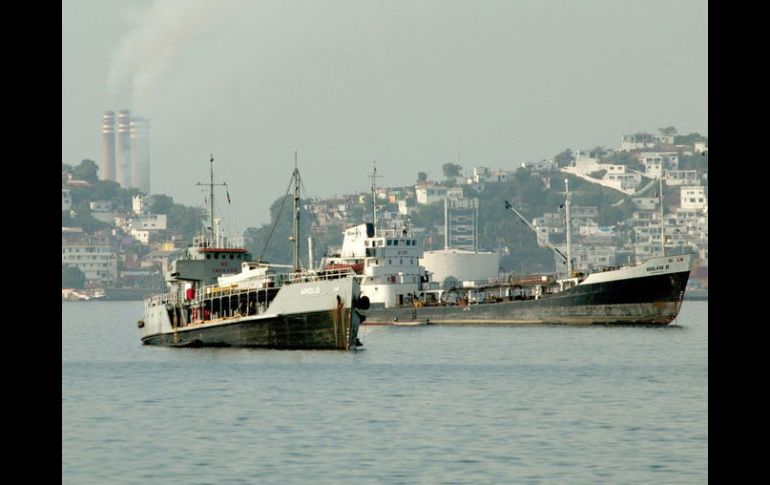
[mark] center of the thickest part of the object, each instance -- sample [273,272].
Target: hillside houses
[140,240]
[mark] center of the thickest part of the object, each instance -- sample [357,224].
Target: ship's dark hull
[318,330]
[643,300]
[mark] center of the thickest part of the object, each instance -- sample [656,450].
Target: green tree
[87,170]
[104,190]
[451,169]
[699,162]
[84,220]
[72,277]
[668,131]
[422,176]
[564,159]
[270,242]
[66,219]
[689,139]
[161,204]
[187,220]
[428,216]
[598,174]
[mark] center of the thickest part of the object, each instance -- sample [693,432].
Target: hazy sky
[407,83]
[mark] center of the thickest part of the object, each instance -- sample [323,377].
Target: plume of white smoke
[153,45]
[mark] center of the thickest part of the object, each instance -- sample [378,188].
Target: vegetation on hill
[697,161]
[564,159]
[72,278]
[270,242]
[623,158]
[499,227]
[689,139]
[451,170]
[186,220]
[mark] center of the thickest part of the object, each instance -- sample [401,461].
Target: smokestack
[123,150]
[140,153]
[107,166]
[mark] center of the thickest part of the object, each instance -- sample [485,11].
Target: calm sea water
[429,404]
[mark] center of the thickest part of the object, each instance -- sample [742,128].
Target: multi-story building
[461,218]
[645,203]
[618,177]
[149,222]
[485,174]
[693,197]
[637,141]
[101,210]
[541,166]
[93,256]
[681,177]
[430,193]
[656,163]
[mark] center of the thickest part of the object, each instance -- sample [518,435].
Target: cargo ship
[218,296]
[399,290]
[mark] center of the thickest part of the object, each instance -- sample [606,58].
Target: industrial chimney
[123,150]
[140,154]
[107,166]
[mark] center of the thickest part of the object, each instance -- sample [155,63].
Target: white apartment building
[484,174]
[645,203]
[637,141]
[149,222]
[693,197]
[584,163]
[96,260]
[655,163]
[681,177]
[143,236]
[101,210]
[430,193]
[541,166]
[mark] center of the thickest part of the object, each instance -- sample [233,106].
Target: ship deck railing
[270,282]
[204,241]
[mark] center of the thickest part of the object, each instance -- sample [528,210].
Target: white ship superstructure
[387,262]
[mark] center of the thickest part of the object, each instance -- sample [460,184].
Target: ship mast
[295,176]
[211,185]
[569,232]
[662,230]
[374,195]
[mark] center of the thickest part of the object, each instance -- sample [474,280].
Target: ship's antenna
[569,232]
[211,185]
[295,175]
[374,196]
[662,230]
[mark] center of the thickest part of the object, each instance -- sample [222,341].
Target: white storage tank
[461,264]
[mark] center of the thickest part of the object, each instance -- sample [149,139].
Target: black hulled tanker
[650,293]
